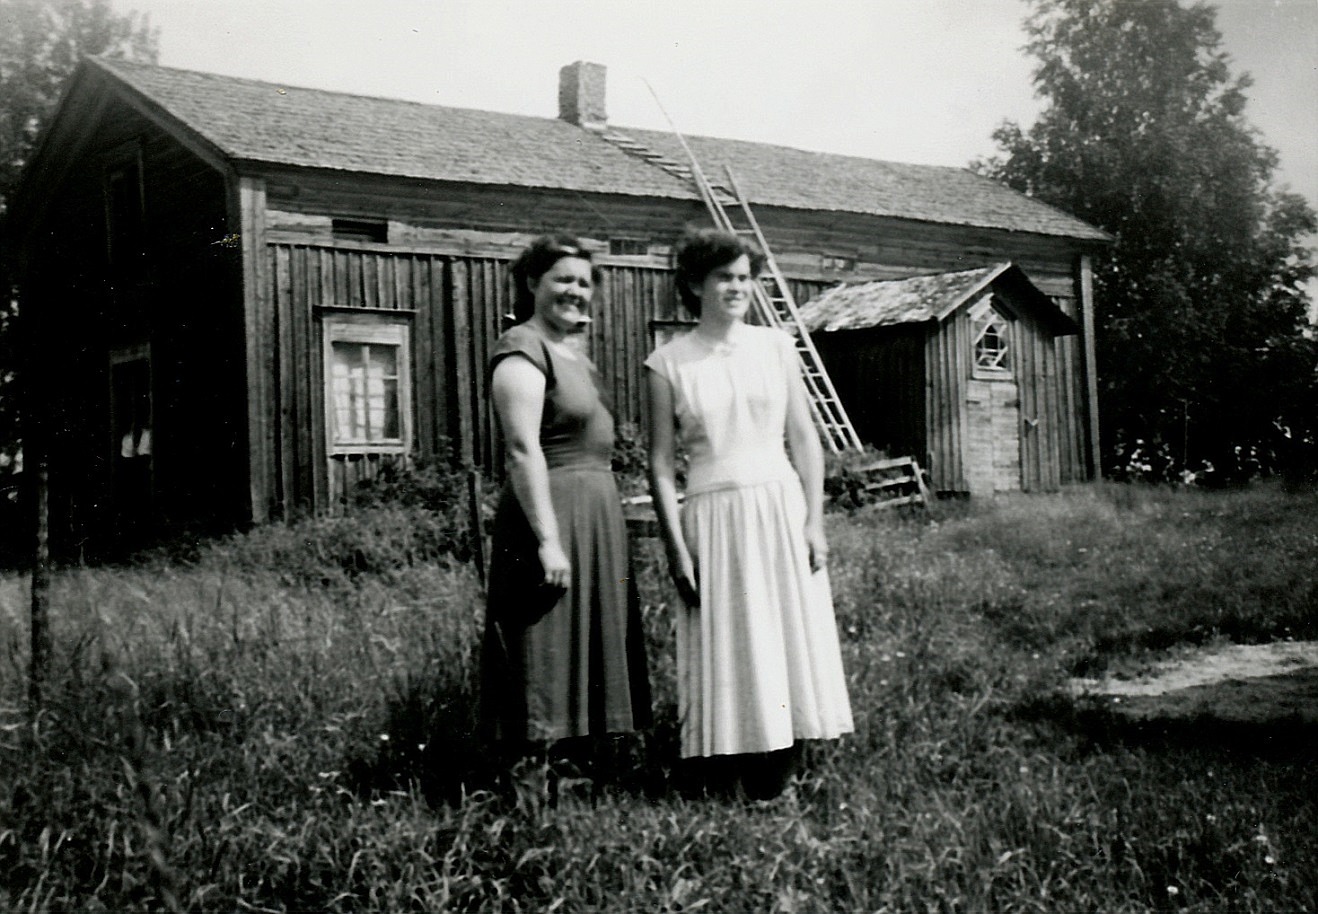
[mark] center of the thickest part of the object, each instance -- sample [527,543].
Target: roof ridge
[112,62]
[998,265]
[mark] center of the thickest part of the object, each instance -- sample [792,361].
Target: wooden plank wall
[459,294]
[1046,433]
[620,338]
[308,278]
[457,305]
[481,300]
[948,368]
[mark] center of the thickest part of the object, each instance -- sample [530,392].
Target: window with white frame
[368,384]
[992,340]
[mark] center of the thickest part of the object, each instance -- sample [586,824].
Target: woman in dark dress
[563,655]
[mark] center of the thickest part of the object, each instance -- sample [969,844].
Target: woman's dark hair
[701,251]
[537,260]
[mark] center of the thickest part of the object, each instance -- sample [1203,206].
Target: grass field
[284,722]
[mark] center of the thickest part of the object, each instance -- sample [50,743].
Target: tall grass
[286,722]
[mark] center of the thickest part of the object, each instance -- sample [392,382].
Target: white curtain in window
[364,382]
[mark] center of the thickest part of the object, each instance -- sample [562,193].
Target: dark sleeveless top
[576,427]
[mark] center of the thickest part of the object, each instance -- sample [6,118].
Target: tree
[41,42]
[1200,305]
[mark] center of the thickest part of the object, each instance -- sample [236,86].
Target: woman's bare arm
[808,458]
[518,387]
[663,487]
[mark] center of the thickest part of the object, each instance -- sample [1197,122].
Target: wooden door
[993,448]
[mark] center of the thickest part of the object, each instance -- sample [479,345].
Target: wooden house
[246,296]
[965,370]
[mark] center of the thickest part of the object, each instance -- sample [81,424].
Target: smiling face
[725,293]
[562,295]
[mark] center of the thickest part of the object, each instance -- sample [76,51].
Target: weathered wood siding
[1027,415]
[947,367]
[993,436]
[457,305]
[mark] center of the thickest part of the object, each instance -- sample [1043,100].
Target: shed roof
[916,299]
[267,123]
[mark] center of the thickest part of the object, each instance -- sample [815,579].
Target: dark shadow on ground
[1260,716]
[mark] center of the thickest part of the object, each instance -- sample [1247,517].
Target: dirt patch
[1255,683]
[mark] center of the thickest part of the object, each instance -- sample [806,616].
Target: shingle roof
[265,122]
[782,176]
[270,123]
[885,302]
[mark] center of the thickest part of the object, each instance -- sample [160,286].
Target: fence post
[474,522]
[39,664]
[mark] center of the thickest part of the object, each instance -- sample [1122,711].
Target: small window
[130,402]
[131,433]
[838,263]
[992,341]
[375,230]
[368,384]
[125,211]
[628,246]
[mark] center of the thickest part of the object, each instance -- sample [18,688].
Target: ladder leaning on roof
[775,304]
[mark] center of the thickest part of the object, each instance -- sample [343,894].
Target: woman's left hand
[817,545]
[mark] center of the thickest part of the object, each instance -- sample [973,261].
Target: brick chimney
[581,94]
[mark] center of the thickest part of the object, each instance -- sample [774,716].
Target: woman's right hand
[682,569]
[558,571]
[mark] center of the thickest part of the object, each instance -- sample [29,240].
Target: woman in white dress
[759,665]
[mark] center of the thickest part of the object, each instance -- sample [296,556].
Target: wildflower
[384,737]
[1173,891]
[1269,860]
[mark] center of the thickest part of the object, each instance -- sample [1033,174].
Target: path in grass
[1232,683]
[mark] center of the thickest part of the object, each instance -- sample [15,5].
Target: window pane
[991,343]
[364,386]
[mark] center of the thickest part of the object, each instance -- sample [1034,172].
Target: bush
[404,517]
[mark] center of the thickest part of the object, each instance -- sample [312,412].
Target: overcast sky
[908,80]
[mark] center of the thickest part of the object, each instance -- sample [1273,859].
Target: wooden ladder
[776,306]
[897,481]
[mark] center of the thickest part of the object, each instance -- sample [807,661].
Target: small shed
[964,370]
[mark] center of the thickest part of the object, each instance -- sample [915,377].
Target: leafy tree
[1201,307]
[41,42]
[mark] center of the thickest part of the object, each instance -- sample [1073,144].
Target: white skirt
[758,663]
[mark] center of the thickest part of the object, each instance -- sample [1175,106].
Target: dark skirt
[557,663]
